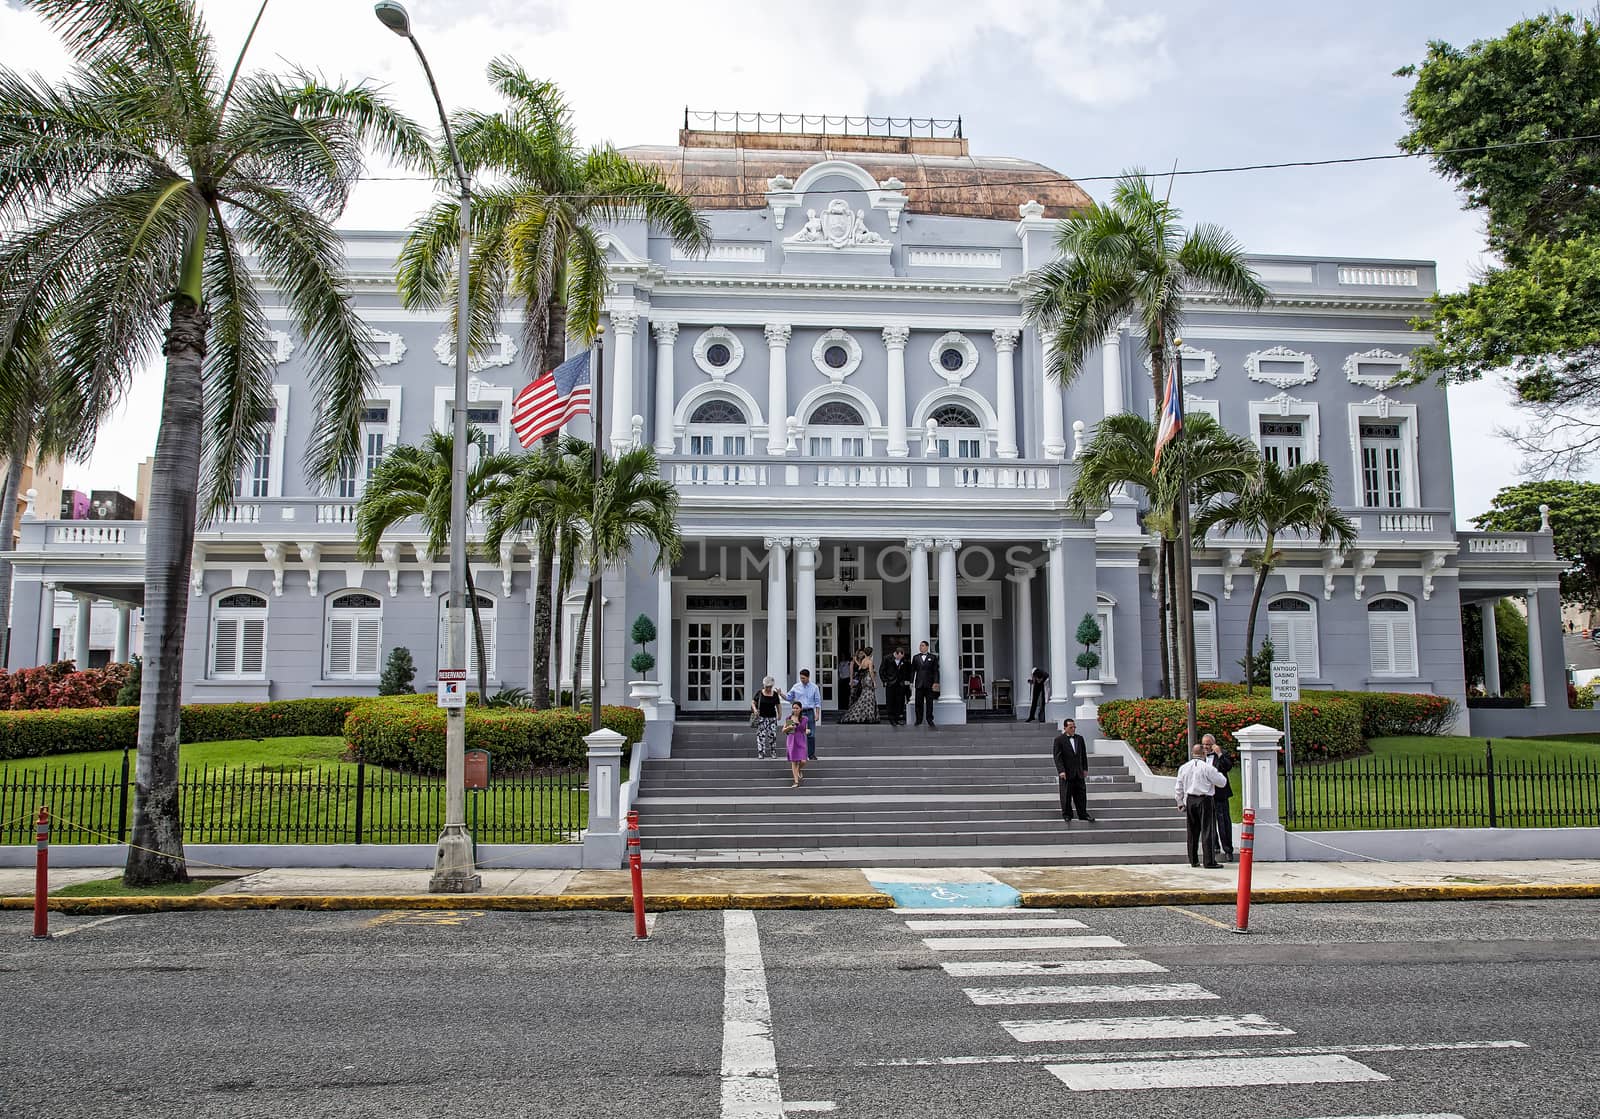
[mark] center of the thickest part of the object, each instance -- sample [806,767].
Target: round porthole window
[952,359]
[718,354]
[836,357]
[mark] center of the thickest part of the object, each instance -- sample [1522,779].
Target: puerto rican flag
[551,400]
[1171,419]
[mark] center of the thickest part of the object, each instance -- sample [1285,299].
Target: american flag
[551,400]
[1171,418]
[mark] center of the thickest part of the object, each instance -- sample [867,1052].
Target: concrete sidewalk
[855,888]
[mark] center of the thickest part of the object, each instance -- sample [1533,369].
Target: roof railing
[822,124]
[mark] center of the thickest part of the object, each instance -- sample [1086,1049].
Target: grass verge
[113,888]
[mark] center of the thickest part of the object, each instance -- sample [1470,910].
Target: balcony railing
[1402,524]
[754,472]
[1498,545]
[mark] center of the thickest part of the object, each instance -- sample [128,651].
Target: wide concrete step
[977,855]
[989,837]
[662,834]
[825,812]
[836,761]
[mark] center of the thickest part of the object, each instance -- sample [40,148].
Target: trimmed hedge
[403,734]
[1383,714]
[1324,727]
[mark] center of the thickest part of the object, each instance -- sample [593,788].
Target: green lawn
[283,790]
[113,888]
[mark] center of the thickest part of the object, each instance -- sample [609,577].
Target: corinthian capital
[623,322]
[1005,339]
[775,543]
[919,543]
[949,544]
[778,333]
[895,336]
[665,331]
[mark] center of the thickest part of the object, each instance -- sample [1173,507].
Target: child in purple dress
[794,729]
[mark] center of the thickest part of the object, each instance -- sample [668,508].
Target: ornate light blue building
[847,396]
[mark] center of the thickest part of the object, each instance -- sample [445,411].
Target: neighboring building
[74,505]
[851,404]
[141,490]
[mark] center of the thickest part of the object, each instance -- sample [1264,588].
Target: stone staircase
[979,795]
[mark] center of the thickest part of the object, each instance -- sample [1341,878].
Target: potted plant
[1087,690]
[644,691]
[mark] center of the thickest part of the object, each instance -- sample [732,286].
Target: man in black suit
[1072,771]
[1036,681]
[1221,808]
[896,677]
[925,683]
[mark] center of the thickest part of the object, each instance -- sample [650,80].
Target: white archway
[688,401]
[849,393]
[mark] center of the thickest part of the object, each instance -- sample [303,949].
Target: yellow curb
[1108,899]
[522,903]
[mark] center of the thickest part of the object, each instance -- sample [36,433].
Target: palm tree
[146,197]
[1122,453]
[415,482]
[536,237]
[1132,258]
[1298,500]
[632,502]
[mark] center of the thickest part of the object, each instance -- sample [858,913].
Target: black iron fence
[1445,792]
[327,804]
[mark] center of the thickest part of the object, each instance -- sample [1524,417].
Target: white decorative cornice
[282,346]
[837,229]
[1286,405]
[666,331]
[1281,378]
[1382,404]
[1206,358]
[727,253]
[1005,339]
[711,337]
[969,357]
[503,351]
[1398,365]
[955,258]
[836,338]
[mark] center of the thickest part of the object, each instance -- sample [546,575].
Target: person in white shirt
[1195,791]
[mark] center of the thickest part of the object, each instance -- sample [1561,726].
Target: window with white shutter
[1107,669]
[486,613]
[238,635]
[354,636]
[570,639]
[1392,637]
[1205,640]
[1292,628]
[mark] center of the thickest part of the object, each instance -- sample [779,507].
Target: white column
[778,608]
[665,650]
[1056,588]
[124,615]
[1022,630]
[666,397]
[1491,647]
[917,556]
[80,631]
[949,624]
[1055,442]
[1005,390]
[1535,652]
[619,386]
[777,387]
[805,606]
[894,341]
[1111,373]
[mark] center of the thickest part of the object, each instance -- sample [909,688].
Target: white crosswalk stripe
[1017,943]
[994,969]
[1141,1029]
[968,911]
[968,925]
[1047,996]
[1212,1072]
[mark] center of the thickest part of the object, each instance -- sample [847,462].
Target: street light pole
[454,870]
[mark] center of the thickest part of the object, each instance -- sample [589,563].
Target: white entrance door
[827,661]
[716,663]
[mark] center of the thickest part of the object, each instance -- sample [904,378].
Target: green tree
[1574,526]
[536,238]
[642,633]
[1132,258]
[398,673]
[1511,639]
[1088,636]
[414,481]
[147,195]
[1298,501]
[1121,453]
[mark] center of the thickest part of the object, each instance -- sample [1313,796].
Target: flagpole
[1185,571]
[597,650]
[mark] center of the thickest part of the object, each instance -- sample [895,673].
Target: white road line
[1047,996]
[1407,1115]
[967,911]
[1023,943]
[1210,1072]
[89,925]
[750,1088]
[997,923]
[974,969]
[1178,1054]
[1142,1029]
[800,1106]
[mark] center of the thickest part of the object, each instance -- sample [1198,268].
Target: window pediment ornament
[1198,365]
[1281,367]
[282,346]
[837,228]
[826,347]
[502,351]
[1285,404]
[388,348]
[953,343]
[1376,369]
[718,352]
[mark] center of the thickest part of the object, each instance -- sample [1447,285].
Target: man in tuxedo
[1036,681]
[1071,753]
[1221,806]
[925,683]
[896,676]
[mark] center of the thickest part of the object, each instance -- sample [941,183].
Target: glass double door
[716,663]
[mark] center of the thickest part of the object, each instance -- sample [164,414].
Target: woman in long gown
[864,691]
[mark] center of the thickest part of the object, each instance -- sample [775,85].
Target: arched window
[835,413]
[486,615]
[1205,639]
[718,411]
[717,428]
[954,415]
[959,433]
[354,636]
[238,636]
[1292,628]
[1392,636]
[845,434]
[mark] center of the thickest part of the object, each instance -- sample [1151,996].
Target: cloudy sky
[1079,85]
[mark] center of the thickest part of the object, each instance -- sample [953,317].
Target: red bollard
[41,877]
[636,869]
[1247,845]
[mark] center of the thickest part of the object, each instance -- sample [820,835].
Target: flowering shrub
[1581,698]
[57,685]
[405,734]
[1325,726]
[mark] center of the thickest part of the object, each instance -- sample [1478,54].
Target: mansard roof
[729,171]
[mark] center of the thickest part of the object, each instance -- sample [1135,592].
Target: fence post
[361,800]
[603,842]
[1488,761]
[122,801]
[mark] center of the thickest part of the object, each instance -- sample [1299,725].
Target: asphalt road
[1483,1010]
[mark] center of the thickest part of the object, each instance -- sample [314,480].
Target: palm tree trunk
[155,854]
[1250,624]
[544,573]
[577,648]
[477,634]
[8,527]
[1161,619]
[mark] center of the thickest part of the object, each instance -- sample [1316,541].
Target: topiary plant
[1088,636]
[128,694]
[644,632]
[398,672]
